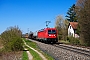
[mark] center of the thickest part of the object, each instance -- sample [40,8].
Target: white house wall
[70,31]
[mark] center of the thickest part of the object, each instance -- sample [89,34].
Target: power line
[47,23]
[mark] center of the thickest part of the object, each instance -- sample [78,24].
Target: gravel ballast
[61,54]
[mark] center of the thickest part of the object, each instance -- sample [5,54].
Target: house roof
[74,25]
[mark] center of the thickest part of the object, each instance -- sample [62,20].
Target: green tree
[83,13]
[71,14]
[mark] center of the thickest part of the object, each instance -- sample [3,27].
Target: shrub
[17,45]
[12,39]
[73,40]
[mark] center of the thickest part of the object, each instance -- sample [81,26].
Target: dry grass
[11,56]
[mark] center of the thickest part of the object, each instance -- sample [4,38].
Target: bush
[84,44]
[73,40]
[17,45]
[59,37]
[14,45]
[12,39]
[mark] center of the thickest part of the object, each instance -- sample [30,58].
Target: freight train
[48,35]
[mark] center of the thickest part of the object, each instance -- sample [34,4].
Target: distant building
[72,29]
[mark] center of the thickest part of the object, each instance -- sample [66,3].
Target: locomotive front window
[51,31]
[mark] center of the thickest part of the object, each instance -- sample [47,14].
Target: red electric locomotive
[48,35]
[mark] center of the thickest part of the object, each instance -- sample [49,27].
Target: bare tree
[59,21]
[83,12]
[61,25]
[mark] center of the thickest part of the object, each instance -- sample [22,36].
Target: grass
[25,55]
[47,56]
[65,42]
[35,55]
[31,44]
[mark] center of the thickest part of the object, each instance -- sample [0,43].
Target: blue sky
[31,14]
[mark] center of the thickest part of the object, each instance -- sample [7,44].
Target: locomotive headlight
[49,35]
[54,35]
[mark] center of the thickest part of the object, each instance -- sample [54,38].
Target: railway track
[78,50]
[74,49]
[64,52]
